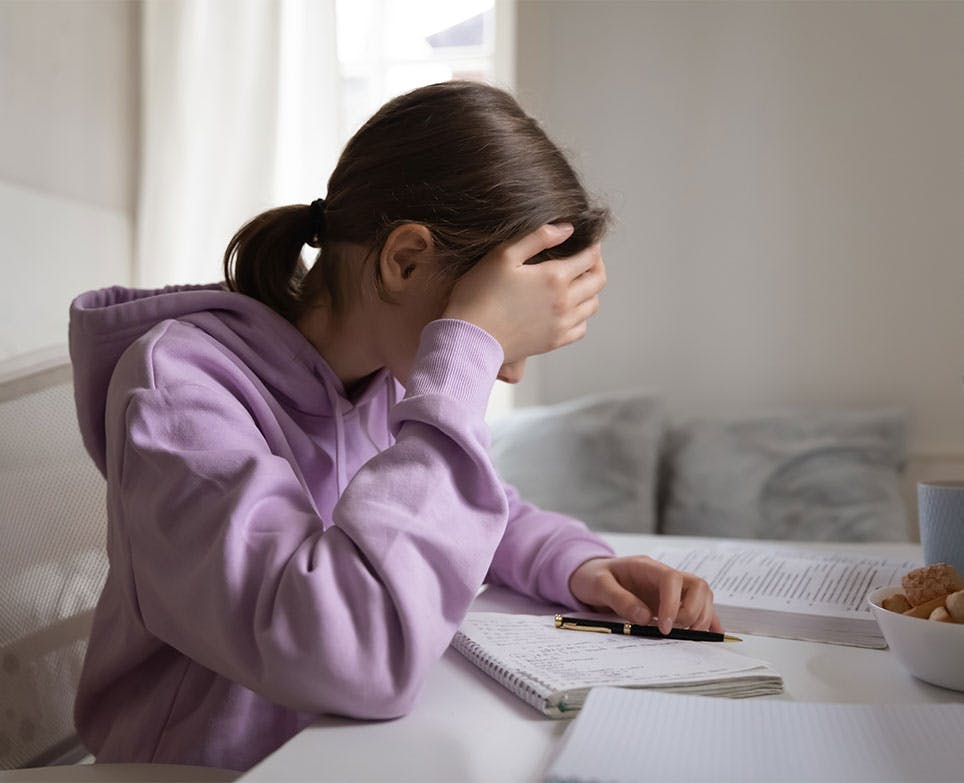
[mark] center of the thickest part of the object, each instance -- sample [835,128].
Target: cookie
[955,606]
[925,584]
[896,603]
[924,610]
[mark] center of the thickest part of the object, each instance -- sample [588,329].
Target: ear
[407,257]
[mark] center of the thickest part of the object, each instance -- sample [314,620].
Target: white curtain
[239,114]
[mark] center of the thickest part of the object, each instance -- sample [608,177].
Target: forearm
[540,550]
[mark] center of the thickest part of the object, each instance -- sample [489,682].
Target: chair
[52,567]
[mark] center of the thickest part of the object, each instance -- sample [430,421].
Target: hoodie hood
[105,322]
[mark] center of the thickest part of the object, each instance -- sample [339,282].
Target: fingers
[589,283]
[636,586]
[622,601]
[670,590]
[715,625]
[584,300]
[583,312]
[512,372]
[696,609]
[518,251]
[529,309]
[684,600]
[579,318]
[703,620]
[583,294]
[575,334]
[573,267]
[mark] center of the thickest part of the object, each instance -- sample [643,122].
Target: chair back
[53,562]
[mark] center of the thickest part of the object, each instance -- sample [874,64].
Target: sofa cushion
[593,458]
[804,475]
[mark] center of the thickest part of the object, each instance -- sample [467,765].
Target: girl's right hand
[531,308]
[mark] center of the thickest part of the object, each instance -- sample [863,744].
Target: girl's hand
[512,372]
[531,308]
[641,589]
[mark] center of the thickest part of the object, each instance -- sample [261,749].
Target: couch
[619,462]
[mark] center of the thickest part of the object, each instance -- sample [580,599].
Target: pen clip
[593,628]
[577,627]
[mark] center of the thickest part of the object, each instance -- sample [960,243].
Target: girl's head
[461,159]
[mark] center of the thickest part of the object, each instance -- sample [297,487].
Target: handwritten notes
[553,669]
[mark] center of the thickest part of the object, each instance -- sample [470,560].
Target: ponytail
[263,259]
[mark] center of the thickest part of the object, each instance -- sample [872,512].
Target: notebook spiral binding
[523,685]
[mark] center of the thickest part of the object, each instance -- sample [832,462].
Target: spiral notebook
[553,670]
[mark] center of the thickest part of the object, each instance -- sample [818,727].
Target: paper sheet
[625,736]
[817,583]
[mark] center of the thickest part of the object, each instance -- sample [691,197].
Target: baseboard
[33,371]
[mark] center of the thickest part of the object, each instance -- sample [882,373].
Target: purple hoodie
[278,550]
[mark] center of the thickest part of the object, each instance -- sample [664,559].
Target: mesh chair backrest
[52,564]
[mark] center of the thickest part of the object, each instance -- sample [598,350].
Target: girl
[301,505]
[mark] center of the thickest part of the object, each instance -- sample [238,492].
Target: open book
[790,593]
[553,670]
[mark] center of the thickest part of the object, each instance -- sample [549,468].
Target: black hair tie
[318,218]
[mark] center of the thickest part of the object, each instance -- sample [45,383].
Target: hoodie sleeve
[540,550]
[231,565]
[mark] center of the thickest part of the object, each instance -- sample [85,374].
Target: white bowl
[929,650]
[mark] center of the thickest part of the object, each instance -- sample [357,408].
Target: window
[388,47]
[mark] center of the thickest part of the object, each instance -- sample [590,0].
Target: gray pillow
[803,475]
[593,458]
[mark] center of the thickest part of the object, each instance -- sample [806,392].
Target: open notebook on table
[553,670]
[623,736]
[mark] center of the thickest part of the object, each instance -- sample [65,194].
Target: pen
[630,629]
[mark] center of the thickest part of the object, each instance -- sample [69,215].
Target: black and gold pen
[631,629]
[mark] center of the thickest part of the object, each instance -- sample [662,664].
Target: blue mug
[940,510]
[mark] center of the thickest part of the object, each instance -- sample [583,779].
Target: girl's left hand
[641,589]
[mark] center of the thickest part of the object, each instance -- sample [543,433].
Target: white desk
[466,727]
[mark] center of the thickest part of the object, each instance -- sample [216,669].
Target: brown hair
[461,158]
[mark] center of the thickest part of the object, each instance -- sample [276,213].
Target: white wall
[68,81]
[788,180]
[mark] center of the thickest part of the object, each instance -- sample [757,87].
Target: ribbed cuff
[456,359]
[575,554]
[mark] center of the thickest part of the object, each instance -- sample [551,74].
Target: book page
[624,736]
[564,660]
[811,582]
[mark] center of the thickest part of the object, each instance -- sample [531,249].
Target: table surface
[467,727]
